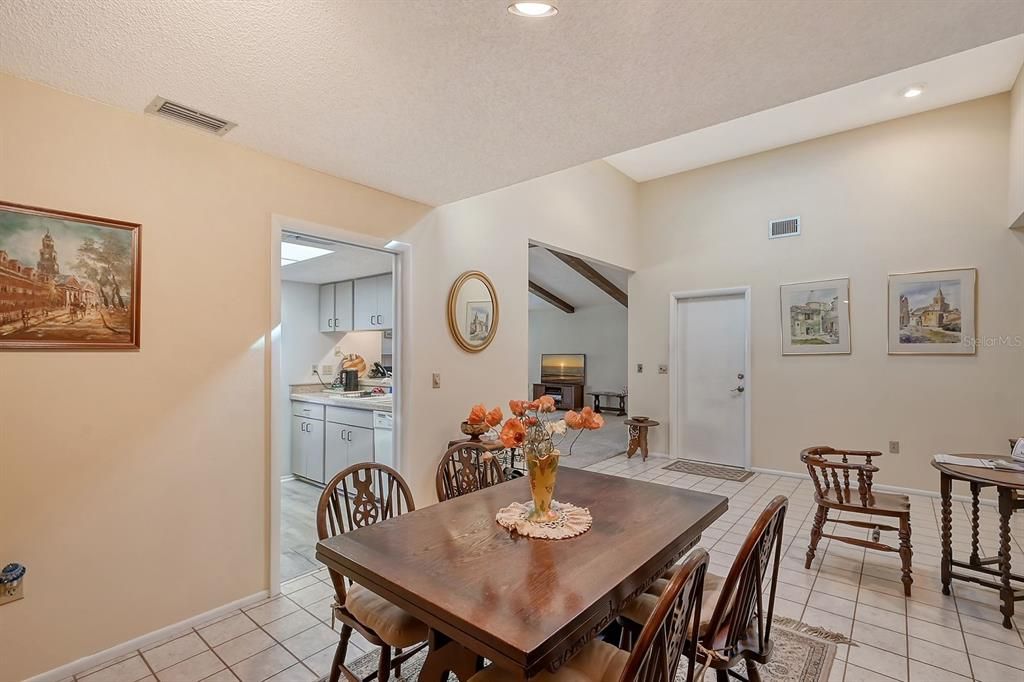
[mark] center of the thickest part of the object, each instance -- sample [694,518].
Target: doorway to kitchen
[334,398]
[709,394]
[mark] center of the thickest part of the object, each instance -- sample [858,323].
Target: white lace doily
[571,521]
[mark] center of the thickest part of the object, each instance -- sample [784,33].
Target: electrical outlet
[316,368]
[894,447]
[662,369]
[639,368]
[435,380]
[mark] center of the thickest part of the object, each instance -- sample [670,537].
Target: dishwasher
[383,449]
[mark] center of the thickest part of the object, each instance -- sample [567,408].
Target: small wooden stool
[638,435]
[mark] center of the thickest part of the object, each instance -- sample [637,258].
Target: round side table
[638,435]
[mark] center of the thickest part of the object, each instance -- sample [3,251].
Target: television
[563,369]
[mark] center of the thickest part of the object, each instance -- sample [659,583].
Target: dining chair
[361,495]
[465,468]
[659,648]
[737,619]
[829,493]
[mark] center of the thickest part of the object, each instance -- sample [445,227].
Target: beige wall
[139,480]
[1015,217]
[918,193]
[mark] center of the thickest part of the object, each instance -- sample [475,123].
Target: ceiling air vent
[189,116]
[786,227]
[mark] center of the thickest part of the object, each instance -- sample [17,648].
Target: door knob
[738,389]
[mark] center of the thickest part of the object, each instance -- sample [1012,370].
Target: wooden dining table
[527,605]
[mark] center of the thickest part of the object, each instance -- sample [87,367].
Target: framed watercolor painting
[478,320]
[815,317]
[933,313]
[67,281]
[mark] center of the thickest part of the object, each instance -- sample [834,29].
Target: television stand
[567,396]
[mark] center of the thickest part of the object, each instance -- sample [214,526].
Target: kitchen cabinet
[346,445]
[372,303]
[336,307]
[308,448]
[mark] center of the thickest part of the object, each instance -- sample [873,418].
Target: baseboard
[113,652]
[287,477]
[876,486]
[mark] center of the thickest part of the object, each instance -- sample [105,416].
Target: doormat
[801,653]
[687,466]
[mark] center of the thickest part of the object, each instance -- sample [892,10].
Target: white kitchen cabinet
[308,448]
[345,445]
[336,307]
[385,319]
[372,307]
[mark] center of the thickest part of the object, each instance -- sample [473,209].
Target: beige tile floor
[926,638]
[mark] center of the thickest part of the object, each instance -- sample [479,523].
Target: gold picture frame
[947,325]
[471,340]
[77,289]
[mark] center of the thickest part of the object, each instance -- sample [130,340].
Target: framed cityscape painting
[933,313]
[816,317]
[67,281]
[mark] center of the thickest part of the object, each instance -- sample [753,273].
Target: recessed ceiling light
[533,10]
[913,91]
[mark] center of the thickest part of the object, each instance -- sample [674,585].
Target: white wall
[589,209]
[599,331]
[1015,216]
[920,193]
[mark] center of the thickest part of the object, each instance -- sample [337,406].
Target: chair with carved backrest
[361,495]
[832,493]
[465,468]
[660,648]
[737,619]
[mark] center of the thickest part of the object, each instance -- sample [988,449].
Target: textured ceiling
[438,100]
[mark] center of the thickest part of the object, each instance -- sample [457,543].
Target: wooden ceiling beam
[587,271]
[545,295]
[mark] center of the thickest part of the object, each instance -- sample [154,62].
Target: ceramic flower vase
[542,469]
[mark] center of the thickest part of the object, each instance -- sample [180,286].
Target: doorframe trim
[674,371]
[272,345]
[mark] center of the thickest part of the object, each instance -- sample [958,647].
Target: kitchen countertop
[381,404]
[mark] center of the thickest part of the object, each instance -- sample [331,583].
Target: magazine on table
[980,463]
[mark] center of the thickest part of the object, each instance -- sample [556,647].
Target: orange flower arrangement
[528,426]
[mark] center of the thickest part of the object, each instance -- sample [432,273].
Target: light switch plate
[435,380]
[639,368]
[894,447]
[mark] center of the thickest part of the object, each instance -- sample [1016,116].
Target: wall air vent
[189,116]
[786,227]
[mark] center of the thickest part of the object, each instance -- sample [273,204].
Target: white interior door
[711,357]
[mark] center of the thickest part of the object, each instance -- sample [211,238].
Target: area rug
[712,470]
[802,653]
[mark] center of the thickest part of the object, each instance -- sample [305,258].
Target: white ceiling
[443,99]
[968,75]
[346,262]
[564,282]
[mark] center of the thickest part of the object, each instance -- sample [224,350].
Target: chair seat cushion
[640,609]
[597,662]
[392,624]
